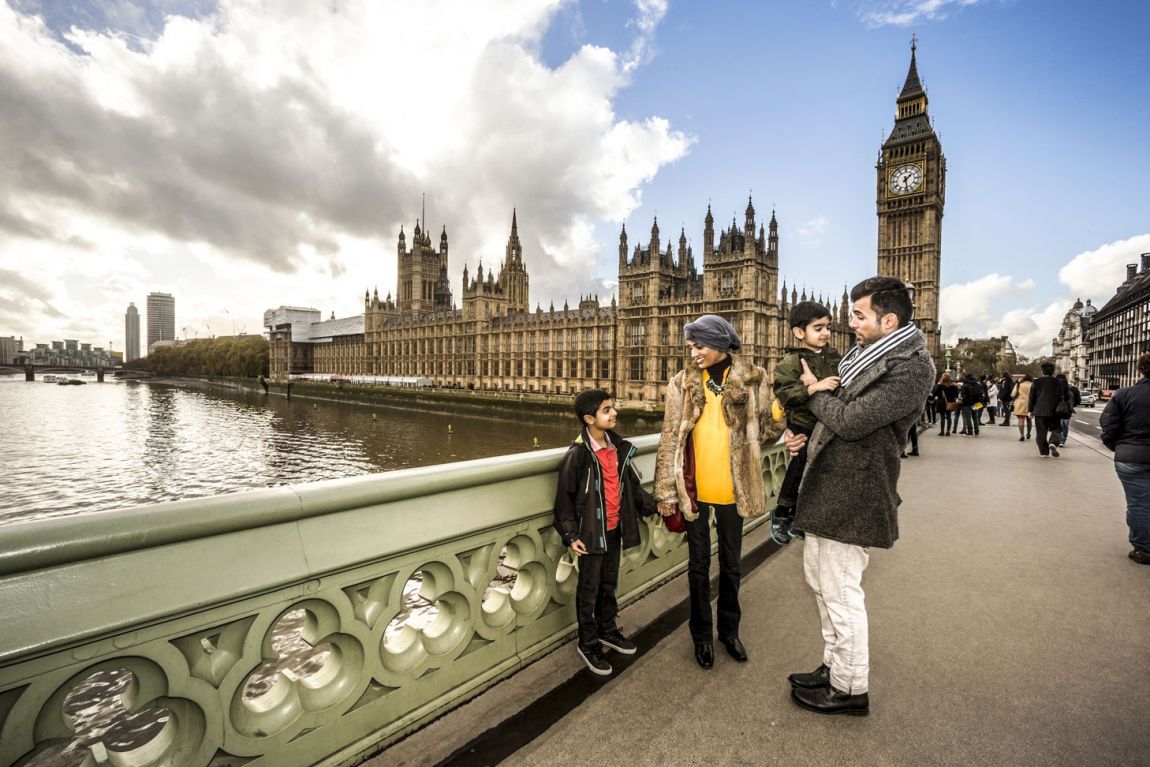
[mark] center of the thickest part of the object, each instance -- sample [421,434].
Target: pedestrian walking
[945,395]
[1006,397]
[971,398]
[1126,430]
[991,400]
[1075,401]
[1049,403]
[1021,406]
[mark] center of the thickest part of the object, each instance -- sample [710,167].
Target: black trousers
[789,492]
[729,529]
[1006,408]
[1047,426]
[596,607]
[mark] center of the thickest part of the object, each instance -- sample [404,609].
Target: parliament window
[589,369]
[636,333]
[636,368]
[605,369]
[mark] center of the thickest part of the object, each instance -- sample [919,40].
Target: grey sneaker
[1054,450]
[595,661]
[781,526]
[619,643]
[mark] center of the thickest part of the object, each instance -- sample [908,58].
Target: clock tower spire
[910,194]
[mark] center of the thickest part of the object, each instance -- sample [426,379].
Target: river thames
[69,450]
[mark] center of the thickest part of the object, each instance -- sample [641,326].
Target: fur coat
[747,411]
[849,491]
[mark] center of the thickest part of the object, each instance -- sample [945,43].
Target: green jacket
[791,392]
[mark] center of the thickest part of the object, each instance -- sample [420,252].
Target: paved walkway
[1008,627]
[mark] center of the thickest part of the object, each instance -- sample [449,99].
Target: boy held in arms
[597,507]
[811,328]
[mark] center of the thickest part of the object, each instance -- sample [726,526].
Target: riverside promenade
[1007,627]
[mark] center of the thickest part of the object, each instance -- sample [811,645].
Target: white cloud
[811,232]
[904,13]
[963,305]
[1097,273]
[262,156]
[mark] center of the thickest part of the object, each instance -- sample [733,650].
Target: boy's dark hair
[1144,364]
[587,402]
[805,312]
[1047,368]
[888,295]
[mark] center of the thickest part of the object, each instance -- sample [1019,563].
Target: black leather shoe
[735,649]
[820,677]
[828,700]
[705,654]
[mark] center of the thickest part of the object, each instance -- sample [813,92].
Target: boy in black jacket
[597,507]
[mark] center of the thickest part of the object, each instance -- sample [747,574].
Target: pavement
[1008,627]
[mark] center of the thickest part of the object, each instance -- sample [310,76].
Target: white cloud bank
[904,13]
[977,309]
[268,153]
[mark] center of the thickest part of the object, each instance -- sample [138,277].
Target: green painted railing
[180,616]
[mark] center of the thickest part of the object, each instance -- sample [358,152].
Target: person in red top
[597,506]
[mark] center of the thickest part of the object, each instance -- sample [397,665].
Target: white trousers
[834,571]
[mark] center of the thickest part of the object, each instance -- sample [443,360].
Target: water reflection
[74,449]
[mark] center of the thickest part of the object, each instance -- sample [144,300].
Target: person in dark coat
[1046,394]
[1126,430]
[973,397]
[848,500]
[598,501]
[1006,397]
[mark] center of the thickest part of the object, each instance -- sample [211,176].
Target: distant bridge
[31,370]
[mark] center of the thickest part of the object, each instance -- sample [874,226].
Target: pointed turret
[708,234]
[623,247]
[912,88]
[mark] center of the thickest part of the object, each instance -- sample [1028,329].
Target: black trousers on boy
[729,530]
[596,606]
[789,492]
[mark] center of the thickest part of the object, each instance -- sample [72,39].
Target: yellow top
[712,444]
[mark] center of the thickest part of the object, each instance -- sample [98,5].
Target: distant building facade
[161,318]
[495,341]
[10,348]
[70,353]
[1120,331]
[1069,348]
[132,332]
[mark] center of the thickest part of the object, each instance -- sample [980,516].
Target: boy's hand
[668,509]
[830,383]
[808,378]
[794,441]
[578,548]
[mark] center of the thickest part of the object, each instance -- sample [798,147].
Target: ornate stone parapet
[296,625]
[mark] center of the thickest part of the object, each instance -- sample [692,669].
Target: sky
[247,154]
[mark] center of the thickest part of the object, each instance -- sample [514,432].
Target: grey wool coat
[746,408]
[849,491]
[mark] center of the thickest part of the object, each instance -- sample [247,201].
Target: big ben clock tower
[911,191]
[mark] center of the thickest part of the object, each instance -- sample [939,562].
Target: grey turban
[714,332]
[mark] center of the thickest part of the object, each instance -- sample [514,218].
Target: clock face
[905,179]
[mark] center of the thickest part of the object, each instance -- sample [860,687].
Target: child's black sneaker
[619,643]
[781,520]
[595,661]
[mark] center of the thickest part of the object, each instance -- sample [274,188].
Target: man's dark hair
[1047,368]
[805,312]
[888,295]
[1144,364]
[587,402]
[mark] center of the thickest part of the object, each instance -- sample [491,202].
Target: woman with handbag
[945,395]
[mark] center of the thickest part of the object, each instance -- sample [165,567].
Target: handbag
[1062,409]
[952,406]
[676,523]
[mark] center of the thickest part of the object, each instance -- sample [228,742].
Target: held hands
[830,383]
[794,441]
[668,509]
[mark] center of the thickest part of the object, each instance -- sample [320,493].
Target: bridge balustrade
[295,625]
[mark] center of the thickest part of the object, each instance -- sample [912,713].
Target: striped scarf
[860,358]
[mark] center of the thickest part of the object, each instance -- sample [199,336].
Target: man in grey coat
[848,500]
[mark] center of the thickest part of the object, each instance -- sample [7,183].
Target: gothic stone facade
[495,341]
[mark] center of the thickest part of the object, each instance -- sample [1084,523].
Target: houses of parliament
[633,345]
